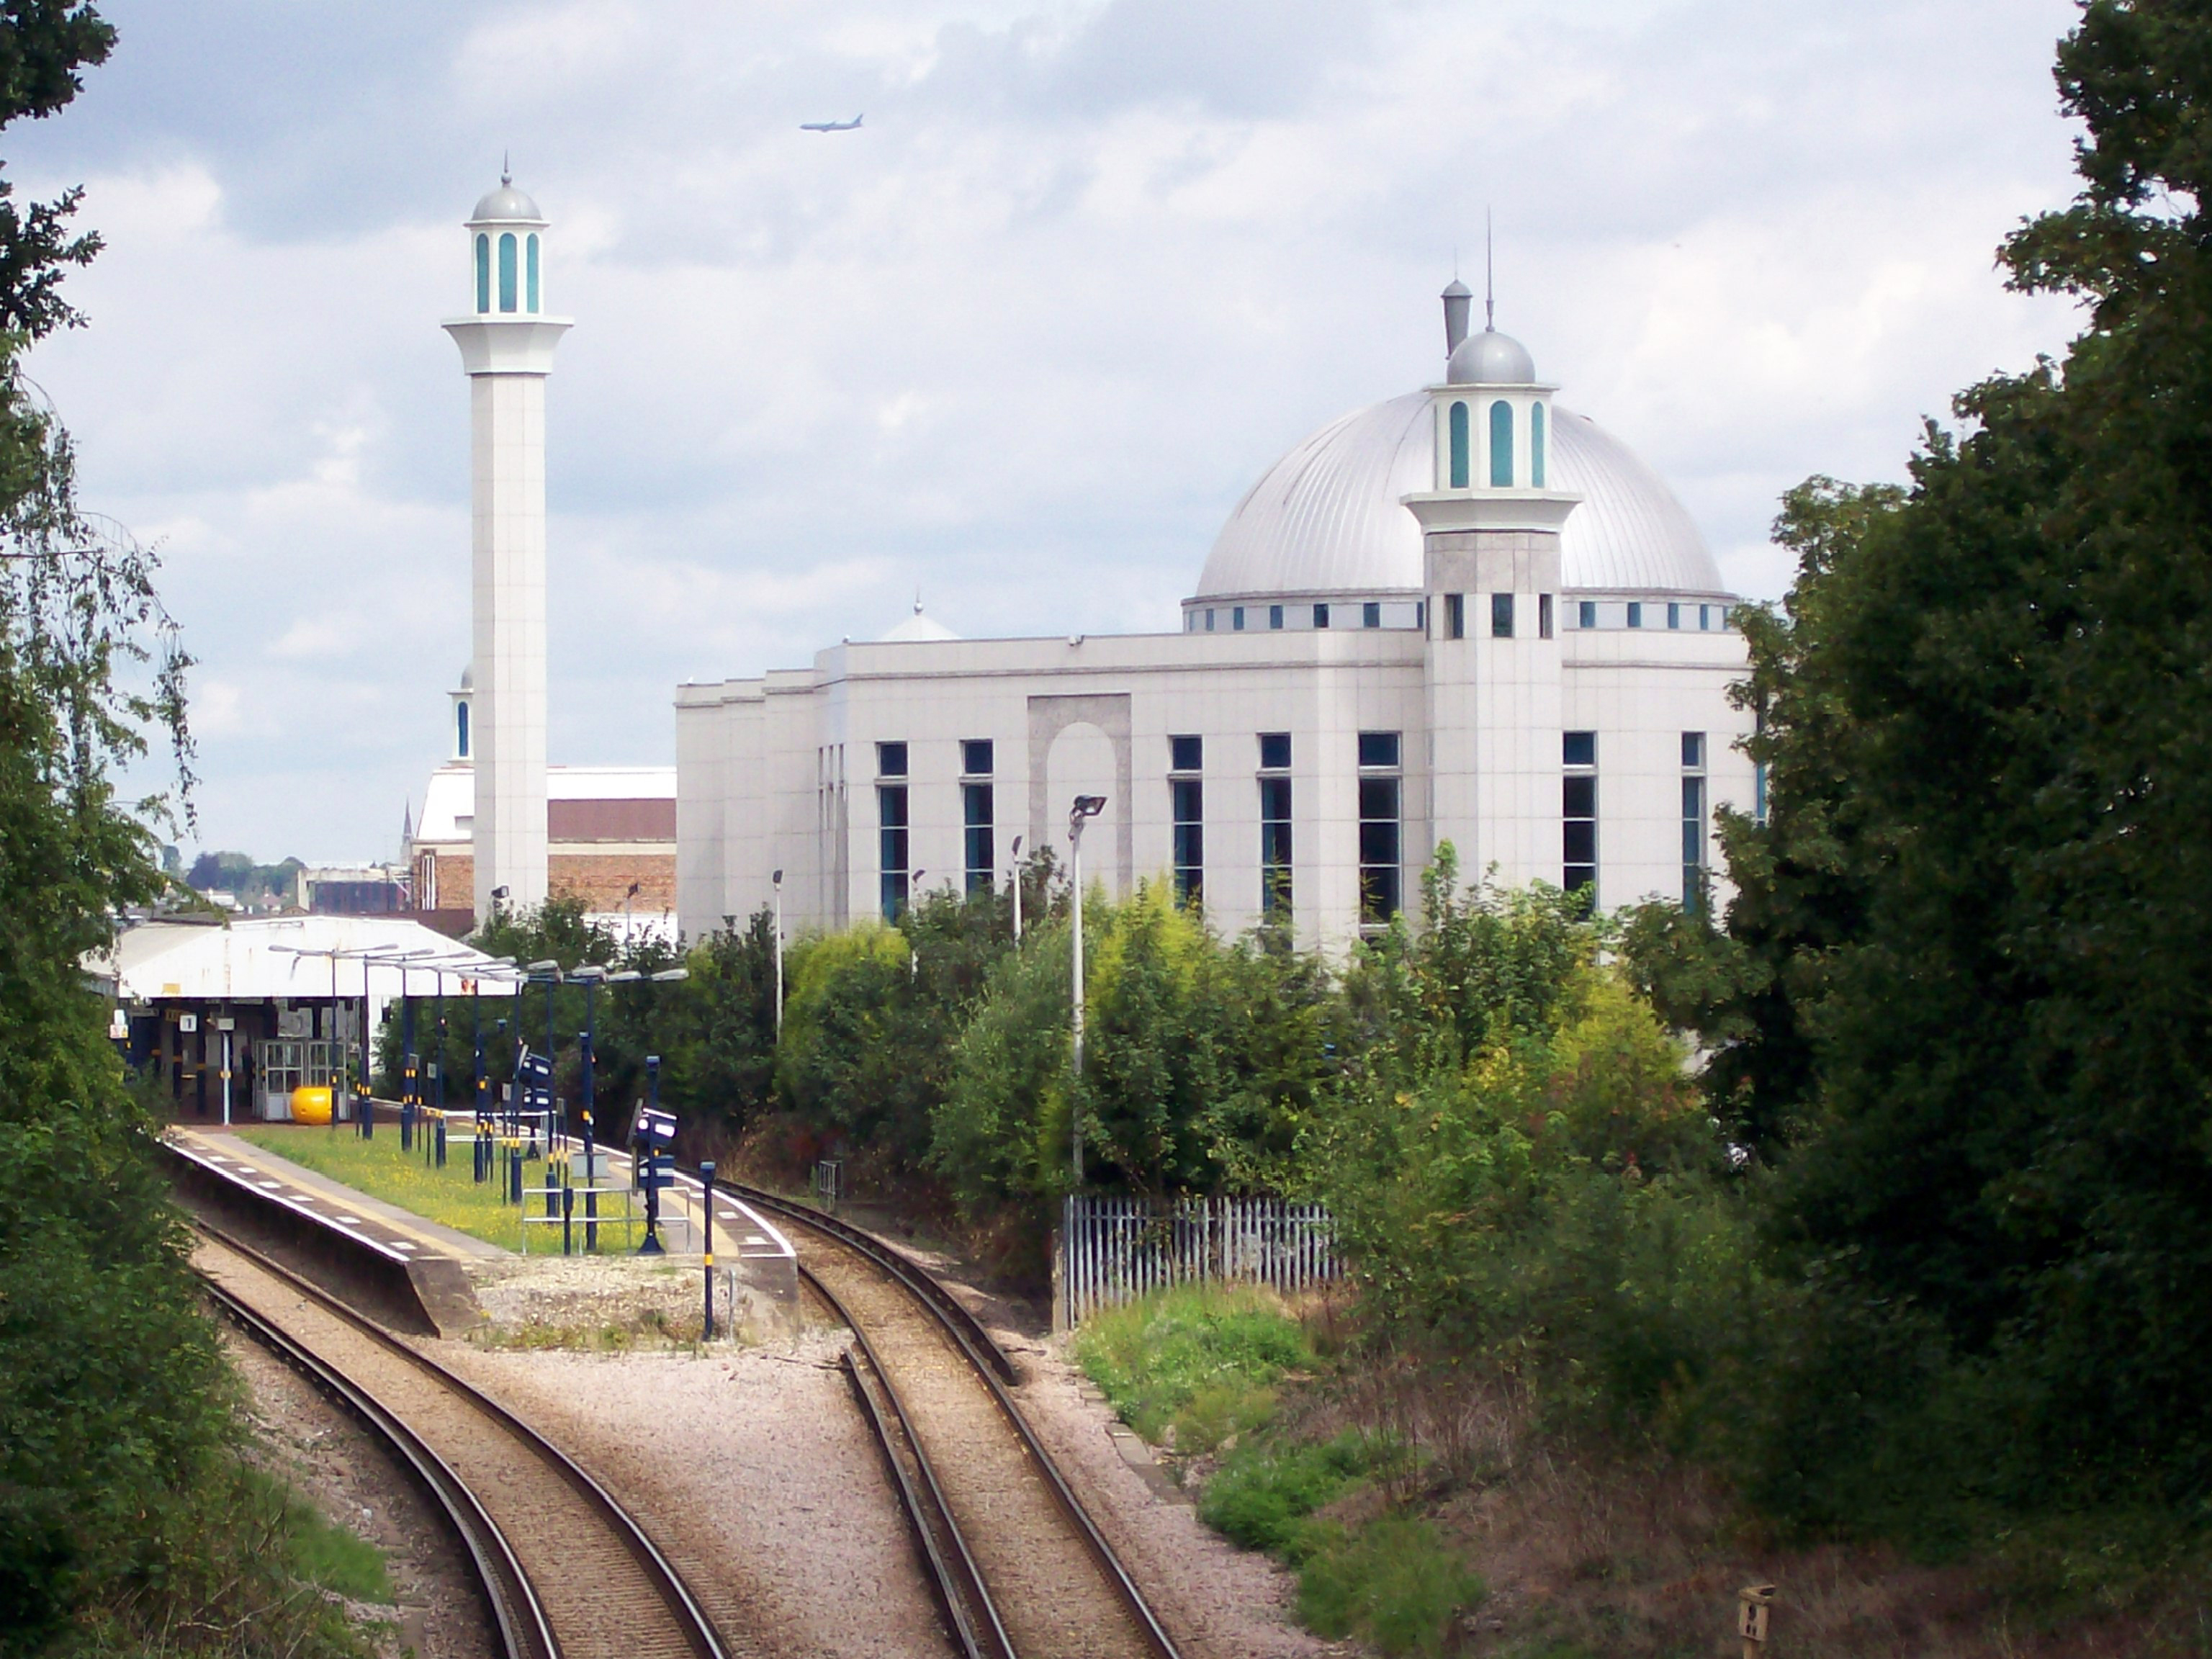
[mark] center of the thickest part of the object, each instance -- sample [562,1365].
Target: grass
[336,1559]
[1196,1368]
[377,1167]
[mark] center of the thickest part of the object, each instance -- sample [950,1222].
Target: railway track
[1020,1568]
[568,1574]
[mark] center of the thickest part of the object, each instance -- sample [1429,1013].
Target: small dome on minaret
[1490,359]
[506,203]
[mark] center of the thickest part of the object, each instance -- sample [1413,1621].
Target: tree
[1976,1033]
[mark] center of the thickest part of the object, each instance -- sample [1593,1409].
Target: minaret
[506,348]
[1491,526]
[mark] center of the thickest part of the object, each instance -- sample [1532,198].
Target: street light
[775,883]
[1017,889]
[1086,807]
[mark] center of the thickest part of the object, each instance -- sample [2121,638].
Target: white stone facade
[1535,669]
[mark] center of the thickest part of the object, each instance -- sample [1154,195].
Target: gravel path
[752,1470]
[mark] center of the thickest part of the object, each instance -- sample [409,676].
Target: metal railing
[1115,1249]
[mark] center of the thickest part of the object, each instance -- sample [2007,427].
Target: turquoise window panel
[530,275]
[506,271]
[1535,446]
[483,271]
[1459,472]
[1501,445]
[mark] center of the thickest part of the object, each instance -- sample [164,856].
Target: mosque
[1465,614]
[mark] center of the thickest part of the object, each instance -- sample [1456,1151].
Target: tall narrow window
[1459,462]
[1370,614]
[483,271]
[1275,848]
[1674,615]
[1501,445]
[1320,616]
[1693,821]
[1501,616]
[530,275]
[1543,616]
[1237,620]
[1381,861]
[1536,446]
[979,844]
[1586,613]
[506,271]
[460,731]
[891,847]
[1578,816]
[1275,616]
[1636,613]
[1186,804]
[1455,616]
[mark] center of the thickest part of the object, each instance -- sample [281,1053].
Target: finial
[1489,279]
[917,602]
[506,172]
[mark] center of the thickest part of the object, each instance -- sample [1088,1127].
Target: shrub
[1261,1496]
[1391,1583]
[1201,1360]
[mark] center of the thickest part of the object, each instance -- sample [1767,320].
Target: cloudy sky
[1021,342]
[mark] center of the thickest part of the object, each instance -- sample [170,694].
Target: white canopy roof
[254,961]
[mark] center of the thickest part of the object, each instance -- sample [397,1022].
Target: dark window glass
[1588,617]
[1693,843]
[975,756]
[1501,445]
[1186,754]
[1378,747]
[1579,828]
[1501,616]
[483,271]
[979,844]
[506,271]
[461,732]
[1275,845]
[1635,613]
[1578,748]
[1320,616]
[1274,751]
[1536,447]
[1455,616]
[1543,616]
[1674,616]
[1370,614]
[1458,422]
[1379,850]
[1237,620]
[1186,803]
[1275,616]
[892,844]
[1694,749]
[1578,840]
[890,761]
[1578,795]
[1209,622]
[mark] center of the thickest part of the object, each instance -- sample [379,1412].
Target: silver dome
[506,203]
[1491,359]
[1329,516]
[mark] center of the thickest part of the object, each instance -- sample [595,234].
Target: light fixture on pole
[1086,807]
[775,886]
[1017,889]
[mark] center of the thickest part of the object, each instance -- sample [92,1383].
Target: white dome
[1491,359]
[506,203]
[1329,516]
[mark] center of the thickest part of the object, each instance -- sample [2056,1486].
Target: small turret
[1458,299]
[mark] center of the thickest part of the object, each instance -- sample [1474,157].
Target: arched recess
[1049,716]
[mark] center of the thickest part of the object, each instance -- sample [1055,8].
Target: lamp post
[1017,889]
[634,888]
[548,973]
[590,973]
[1086,807]
[775,886]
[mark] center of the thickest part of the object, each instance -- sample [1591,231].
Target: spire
[1489,279]
[506,171]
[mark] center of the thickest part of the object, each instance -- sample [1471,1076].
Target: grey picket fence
[1115,1249]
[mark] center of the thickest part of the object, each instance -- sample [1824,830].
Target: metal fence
[1115,1249]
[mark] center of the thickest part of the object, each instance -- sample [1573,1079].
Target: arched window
[530,291]
[483,271]
[1459,446]
[1501,445]
[1536,447]
[506,271]
[461,730]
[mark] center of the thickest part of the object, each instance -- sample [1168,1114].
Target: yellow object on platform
[312,1105]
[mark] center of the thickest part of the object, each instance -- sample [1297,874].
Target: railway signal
[651,1133]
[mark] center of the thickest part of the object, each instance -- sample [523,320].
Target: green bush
[1202,1360]
[1261,1496]
[1391,1583]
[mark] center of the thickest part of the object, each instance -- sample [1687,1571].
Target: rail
[697,1631]
[996,1371]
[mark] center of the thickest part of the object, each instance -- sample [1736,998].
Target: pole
[226,1079]
[651,1245]
[777,885]
[591,1193]
[1017,889]
[1075,995]
[706,1207]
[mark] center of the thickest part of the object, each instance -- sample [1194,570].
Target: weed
[1261,1496]
[1201,1361]
[326,1554]
[1392,1582]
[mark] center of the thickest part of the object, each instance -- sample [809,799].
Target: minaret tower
[1491,524]
[507,349]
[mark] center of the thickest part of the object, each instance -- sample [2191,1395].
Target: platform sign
[653,1126]
[534,1070]
[659,1171]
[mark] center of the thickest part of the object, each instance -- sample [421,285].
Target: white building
[1459,615]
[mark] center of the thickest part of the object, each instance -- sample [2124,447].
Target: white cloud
[1021,342]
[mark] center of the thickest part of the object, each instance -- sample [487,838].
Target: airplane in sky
[831,126]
